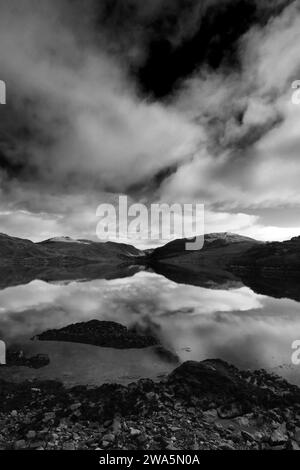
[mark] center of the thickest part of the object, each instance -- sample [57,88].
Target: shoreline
[200,405]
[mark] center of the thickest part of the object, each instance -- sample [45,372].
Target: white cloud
[251,156]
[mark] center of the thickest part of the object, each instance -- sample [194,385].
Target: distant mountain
[12,248]
[62,251]
[226,260]
[212,241]
[271,257]
[233,253]
[219,250]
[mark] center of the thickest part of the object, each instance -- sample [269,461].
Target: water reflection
[237,325]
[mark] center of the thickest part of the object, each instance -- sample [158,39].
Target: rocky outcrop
[17,358]
[206,405]
[99,333]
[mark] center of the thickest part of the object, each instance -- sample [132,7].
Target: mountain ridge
[226,260]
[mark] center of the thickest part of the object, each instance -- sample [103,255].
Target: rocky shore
[205,405]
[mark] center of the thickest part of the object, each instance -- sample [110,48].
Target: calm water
[237,325]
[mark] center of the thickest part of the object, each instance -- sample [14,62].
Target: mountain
[63,251]
[12,248]
[218,250]
[228,260]
[271,257]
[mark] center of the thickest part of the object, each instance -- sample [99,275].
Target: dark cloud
[172,100]
[167,40]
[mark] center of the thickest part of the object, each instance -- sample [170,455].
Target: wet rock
[293,445]
[248,436]
[229,411]
[109,437]
[21,444]
[210,415]
[173,414]
[69,446]
[242,421]
[75,406]
[297,435]
[117,425]
[49,416]
[38,445]
[17,358]
[99,333]
[227,446]
[135,432]
[278,437]
[171,447]
[31,435]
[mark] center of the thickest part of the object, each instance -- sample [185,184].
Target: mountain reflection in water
[224,320]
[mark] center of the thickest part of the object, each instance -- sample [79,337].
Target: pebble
[21,444]
[135,432]
[109,437]
[69,446]
[278,438]
[75,406]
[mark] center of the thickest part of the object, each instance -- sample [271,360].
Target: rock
[151,395]
[297,435]
[248,436]
[133,422]
[195,445]
[69,446]
[38,445]
[21,444]
[17,358]
[230,411]
[293,445]
[116,425]
[142,439]
[279,447]
[278,437]
[171,447]
[227,446]
[100,333]
[174,428]
[210,415]
[109,437]
[75,406]
[135,432]
[242,421]
[49,416]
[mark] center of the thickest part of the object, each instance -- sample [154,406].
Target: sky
[165,101]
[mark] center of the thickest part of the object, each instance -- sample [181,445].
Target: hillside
[62,251]
[219,250]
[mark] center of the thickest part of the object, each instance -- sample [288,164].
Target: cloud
[82,120]
[253,143]
[83,124]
